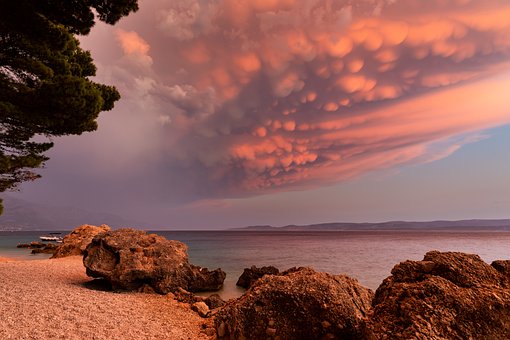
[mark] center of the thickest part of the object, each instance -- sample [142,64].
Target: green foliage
[45,90]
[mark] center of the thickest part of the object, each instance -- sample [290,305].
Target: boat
[51,237]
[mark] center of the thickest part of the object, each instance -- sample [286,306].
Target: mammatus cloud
[263,95]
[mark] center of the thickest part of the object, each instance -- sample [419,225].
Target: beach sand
[50,299]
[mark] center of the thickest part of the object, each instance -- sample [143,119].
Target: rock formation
[132,259]
[447,295]
[250,275]
[214,301]
[299,304]
[48,248]
[39,247]
[77,240]
[32,245]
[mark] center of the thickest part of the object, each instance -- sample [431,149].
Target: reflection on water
[367,255]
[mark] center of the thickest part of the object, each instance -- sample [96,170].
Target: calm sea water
[367,255]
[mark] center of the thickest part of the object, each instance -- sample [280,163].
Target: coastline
[53,299]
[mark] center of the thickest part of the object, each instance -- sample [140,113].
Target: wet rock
[447,295]
[39,247]
[214,301]
[297,305]
[130,259]
[32,245]
[252,274]
[206,280]
[77,240]
[48,248]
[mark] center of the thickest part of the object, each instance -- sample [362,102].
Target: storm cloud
[242,98]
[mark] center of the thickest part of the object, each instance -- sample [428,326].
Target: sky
[255,112]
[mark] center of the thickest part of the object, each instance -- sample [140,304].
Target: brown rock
[201,308]
[296,305]
[503,267]
[161,263]
[447,295]
[210,331]
[49,248]
[250,275]
[221,329]
[32,245]
[214,301]
[75,242]
[39,247]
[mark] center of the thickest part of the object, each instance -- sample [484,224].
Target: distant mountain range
[463,225]
[21,215]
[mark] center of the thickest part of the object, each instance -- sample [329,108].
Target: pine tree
[45,90]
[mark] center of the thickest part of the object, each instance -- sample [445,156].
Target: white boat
[51,237]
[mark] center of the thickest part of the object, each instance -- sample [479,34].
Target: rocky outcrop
[447,295]
[133,260]
[48,248]
[250,275]
[39,247]
[75,242]
[299,304]
[32,245]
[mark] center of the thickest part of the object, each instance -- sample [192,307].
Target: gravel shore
[53,299]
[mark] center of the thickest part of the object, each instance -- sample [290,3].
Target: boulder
[447,295]
[214,301]
[75,242]
[132,259]
[250,275]
[299,304]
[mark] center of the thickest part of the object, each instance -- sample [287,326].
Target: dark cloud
[241,98]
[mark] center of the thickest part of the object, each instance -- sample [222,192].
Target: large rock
[252,274]
[446,296]
[132,260]
[77,240]
[298,304]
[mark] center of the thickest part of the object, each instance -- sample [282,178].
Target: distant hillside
[22,215]
[468,225]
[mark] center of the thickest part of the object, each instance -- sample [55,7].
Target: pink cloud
[281,94]
[132,43]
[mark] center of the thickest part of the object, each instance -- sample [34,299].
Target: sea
[367,256]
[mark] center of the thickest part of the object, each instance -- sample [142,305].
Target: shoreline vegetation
[446,295]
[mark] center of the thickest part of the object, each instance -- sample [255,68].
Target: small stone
[270,323]
[201,308]
[270,331]
[210,331]
[326,324]
[221,330]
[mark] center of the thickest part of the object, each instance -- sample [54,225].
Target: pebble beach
[54,299]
